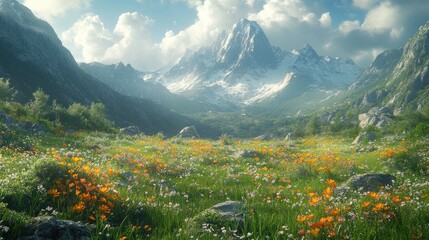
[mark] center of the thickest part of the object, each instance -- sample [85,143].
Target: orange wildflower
[378,207]
[332,183]
[54,192]
[315,232]
[373,195]
[328,192]
[79,207]
[365,204]
[301,219]
[396,199]
[104,208]
[315,200]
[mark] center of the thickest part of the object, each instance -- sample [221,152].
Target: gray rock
[230,210]
[264,137]
[46,227]
[217,217]
[366,182]
[289,136]
[30,127]
[131,130]
[369,136]
[188,132]
[378,117]
[247,154]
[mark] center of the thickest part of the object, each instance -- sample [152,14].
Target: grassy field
[150,188]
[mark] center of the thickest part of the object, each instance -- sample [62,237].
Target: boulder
[30,127]
[230,210]
[264,137]
[225,214]
[246,154]
[188,132]
[130,130]
[378,117]
[369,182]
[368,136]
[47,227]
[289,136]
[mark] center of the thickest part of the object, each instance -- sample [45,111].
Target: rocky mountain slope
[241,68]
[32,57]
[131,82]
[397,79]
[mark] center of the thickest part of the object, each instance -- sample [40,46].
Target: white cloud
[364,4]
[348,26]
[130,41]
[282,13]
[88,38]
[135,45]
[381,18]
[213,16]
[48,9]
[325,20]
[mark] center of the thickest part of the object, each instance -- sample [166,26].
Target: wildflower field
[146,187]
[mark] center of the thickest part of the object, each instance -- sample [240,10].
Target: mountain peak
[308,50]
[13,11]
[244,46]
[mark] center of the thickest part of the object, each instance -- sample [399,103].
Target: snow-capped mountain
[242,68]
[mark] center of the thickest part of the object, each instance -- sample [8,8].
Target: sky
[150,34]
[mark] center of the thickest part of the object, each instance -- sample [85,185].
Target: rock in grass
[246,154]
[222,215]
[369,182]
[364,136]
[230,210]
[46,227]
[131,130]
[188,132]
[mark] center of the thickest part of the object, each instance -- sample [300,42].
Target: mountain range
[33,57]
[239,70]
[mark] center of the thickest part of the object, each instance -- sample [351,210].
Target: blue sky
[150,34]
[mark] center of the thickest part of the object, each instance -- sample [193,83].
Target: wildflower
[396,199]
[103,217]
[79,207]
[315,200]
[378,207]
[54,192]
[374,195]
[104,208]
[315,232]
[365,204]
[328,192]
[332,183]
[301,219]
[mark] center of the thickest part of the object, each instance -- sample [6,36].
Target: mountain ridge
[32,57]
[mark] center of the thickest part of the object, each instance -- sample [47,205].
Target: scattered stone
[264,137]
[47,227]
[367,136]
[94,147]
[289,137]
[230,210]
[369,182]
[378,117]
[30,127]
[229,213]
[130,130]
[188,132]
[247,154]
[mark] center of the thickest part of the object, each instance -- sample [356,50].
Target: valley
[236,139]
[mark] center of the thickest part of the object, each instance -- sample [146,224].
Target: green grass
[149,188]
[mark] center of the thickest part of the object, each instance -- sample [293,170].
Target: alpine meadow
[204,120]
